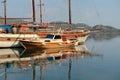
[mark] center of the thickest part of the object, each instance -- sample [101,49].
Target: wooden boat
[44,28]
[11,35]
[51,41]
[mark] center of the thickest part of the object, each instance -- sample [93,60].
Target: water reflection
[30,61]
[105,35]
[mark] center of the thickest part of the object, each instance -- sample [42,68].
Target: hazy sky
[91,12]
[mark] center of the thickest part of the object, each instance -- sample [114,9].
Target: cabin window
[8,39]
[50,36]
[57,37]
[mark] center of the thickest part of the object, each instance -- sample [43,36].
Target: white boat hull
[14,43]
[7,44]
[81,40]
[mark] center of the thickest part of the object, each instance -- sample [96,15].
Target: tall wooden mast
[69,6]
[5,22]
[33,8]
[40,12]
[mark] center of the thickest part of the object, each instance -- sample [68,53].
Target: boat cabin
[55,37]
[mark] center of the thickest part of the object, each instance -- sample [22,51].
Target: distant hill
[105,33]
[74,26]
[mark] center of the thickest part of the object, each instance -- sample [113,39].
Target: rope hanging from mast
[97,12]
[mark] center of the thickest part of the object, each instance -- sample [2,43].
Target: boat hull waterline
[28,44]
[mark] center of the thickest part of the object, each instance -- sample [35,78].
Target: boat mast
[33,8]
[5,22]
[40,12]
[70,20]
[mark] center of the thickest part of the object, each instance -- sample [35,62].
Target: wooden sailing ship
[34,31]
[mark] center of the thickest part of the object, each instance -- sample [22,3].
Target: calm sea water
[96,60]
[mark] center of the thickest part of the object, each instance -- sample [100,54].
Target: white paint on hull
[6,43]
[82,39]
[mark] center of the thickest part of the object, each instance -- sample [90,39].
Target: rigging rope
[97,12]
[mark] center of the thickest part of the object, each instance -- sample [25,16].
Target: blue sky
[91,12]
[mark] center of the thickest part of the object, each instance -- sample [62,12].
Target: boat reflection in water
[23,63]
